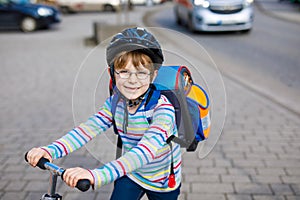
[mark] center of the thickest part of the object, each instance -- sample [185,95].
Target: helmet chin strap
[137,101]
[133,103]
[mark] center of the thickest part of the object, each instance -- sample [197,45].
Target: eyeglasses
[139,74]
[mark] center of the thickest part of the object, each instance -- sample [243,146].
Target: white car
[145,2]
[215,15]
[68,6]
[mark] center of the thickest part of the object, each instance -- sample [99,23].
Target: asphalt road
[266,60]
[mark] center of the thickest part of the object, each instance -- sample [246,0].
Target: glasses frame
[128,74]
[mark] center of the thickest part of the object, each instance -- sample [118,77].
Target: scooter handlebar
[83,184]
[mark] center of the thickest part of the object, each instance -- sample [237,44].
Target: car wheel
[190,24]
[109,8]
[28,24]
[178,20]
[65,9]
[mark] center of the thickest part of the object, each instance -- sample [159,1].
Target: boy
[134,57]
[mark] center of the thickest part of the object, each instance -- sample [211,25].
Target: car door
[92,5]
[9,15]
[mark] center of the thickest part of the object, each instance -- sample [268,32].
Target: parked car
[71,6]
[215,15]
[26,16]
[145,2]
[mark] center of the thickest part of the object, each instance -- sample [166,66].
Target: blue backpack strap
[114,102]
[152,101]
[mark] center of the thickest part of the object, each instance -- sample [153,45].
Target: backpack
[190,101]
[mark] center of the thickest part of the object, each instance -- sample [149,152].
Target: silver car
[215,15]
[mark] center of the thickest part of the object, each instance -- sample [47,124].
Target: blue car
[26,16]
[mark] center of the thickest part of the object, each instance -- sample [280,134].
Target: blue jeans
[126,189]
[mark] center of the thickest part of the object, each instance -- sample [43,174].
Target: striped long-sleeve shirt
[146,156]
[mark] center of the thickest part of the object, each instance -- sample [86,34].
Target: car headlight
[248,2]
[45,12]
[203,3]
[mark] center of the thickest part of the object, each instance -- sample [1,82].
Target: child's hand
[73,175]
[35,154]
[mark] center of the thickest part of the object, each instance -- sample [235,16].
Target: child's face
[133,87]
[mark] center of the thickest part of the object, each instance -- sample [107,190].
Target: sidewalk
[256,158]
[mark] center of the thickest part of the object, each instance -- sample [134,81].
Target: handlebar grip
[83,185]
[26,157]
[41,162]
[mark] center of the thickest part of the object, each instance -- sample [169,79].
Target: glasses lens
[142,75]
[124,74]
[127,74]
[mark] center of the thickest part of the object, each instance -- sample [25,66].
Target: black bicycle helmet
[135,39]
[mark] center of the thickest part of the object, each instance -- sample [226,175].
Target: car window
[20,1]
[14,1]
[4,1]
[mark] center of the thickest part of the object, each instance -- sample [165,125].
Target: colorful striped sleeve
[82,134]
[154,139]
